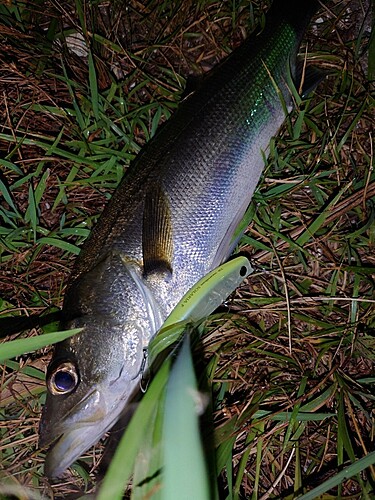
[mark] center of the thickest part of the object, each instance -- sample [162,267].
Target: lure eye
[63,379]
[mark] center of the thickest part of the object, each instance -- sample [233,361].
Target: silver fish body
[168,224]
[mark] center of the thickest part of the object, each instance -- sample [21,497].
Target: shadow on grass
[12,325]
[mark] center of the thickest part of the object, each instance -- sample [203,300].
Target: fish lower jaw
[67,448]
[74,440]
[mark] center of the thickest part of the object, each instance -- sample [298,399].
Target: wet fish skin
[167,225]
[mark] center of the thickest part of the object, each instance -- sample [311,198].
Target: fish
[170,222]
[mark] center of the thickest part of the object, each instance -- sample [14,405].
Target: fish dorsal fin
[157,242]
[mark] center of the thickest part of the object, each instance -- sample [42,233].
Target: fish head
[88,386]
[94,374]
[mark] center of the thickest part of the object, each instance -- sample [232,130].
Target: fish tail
[297,13]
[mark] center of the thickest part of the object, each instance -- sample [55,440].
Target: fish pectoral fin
[157,242]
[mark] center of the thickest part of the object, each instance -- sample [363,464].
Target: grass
[291,362]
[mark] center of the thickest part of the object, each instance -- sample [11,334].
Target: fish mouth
[78,430]
[69,446]
[65,450]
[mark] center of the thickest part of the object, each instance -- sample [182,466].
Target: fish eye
[63,378]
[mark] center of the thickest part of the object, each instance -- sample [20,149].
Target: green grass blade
[64,245]
[371,50]
[27,370]
[123,461]
[11,166]
[13,348]
[148,465]
[93,87]
[319,221]
[185,471]
[346,473]
[8,197]
[251,438]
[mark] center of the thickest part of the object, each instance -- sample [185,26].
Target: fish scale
[169,223]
